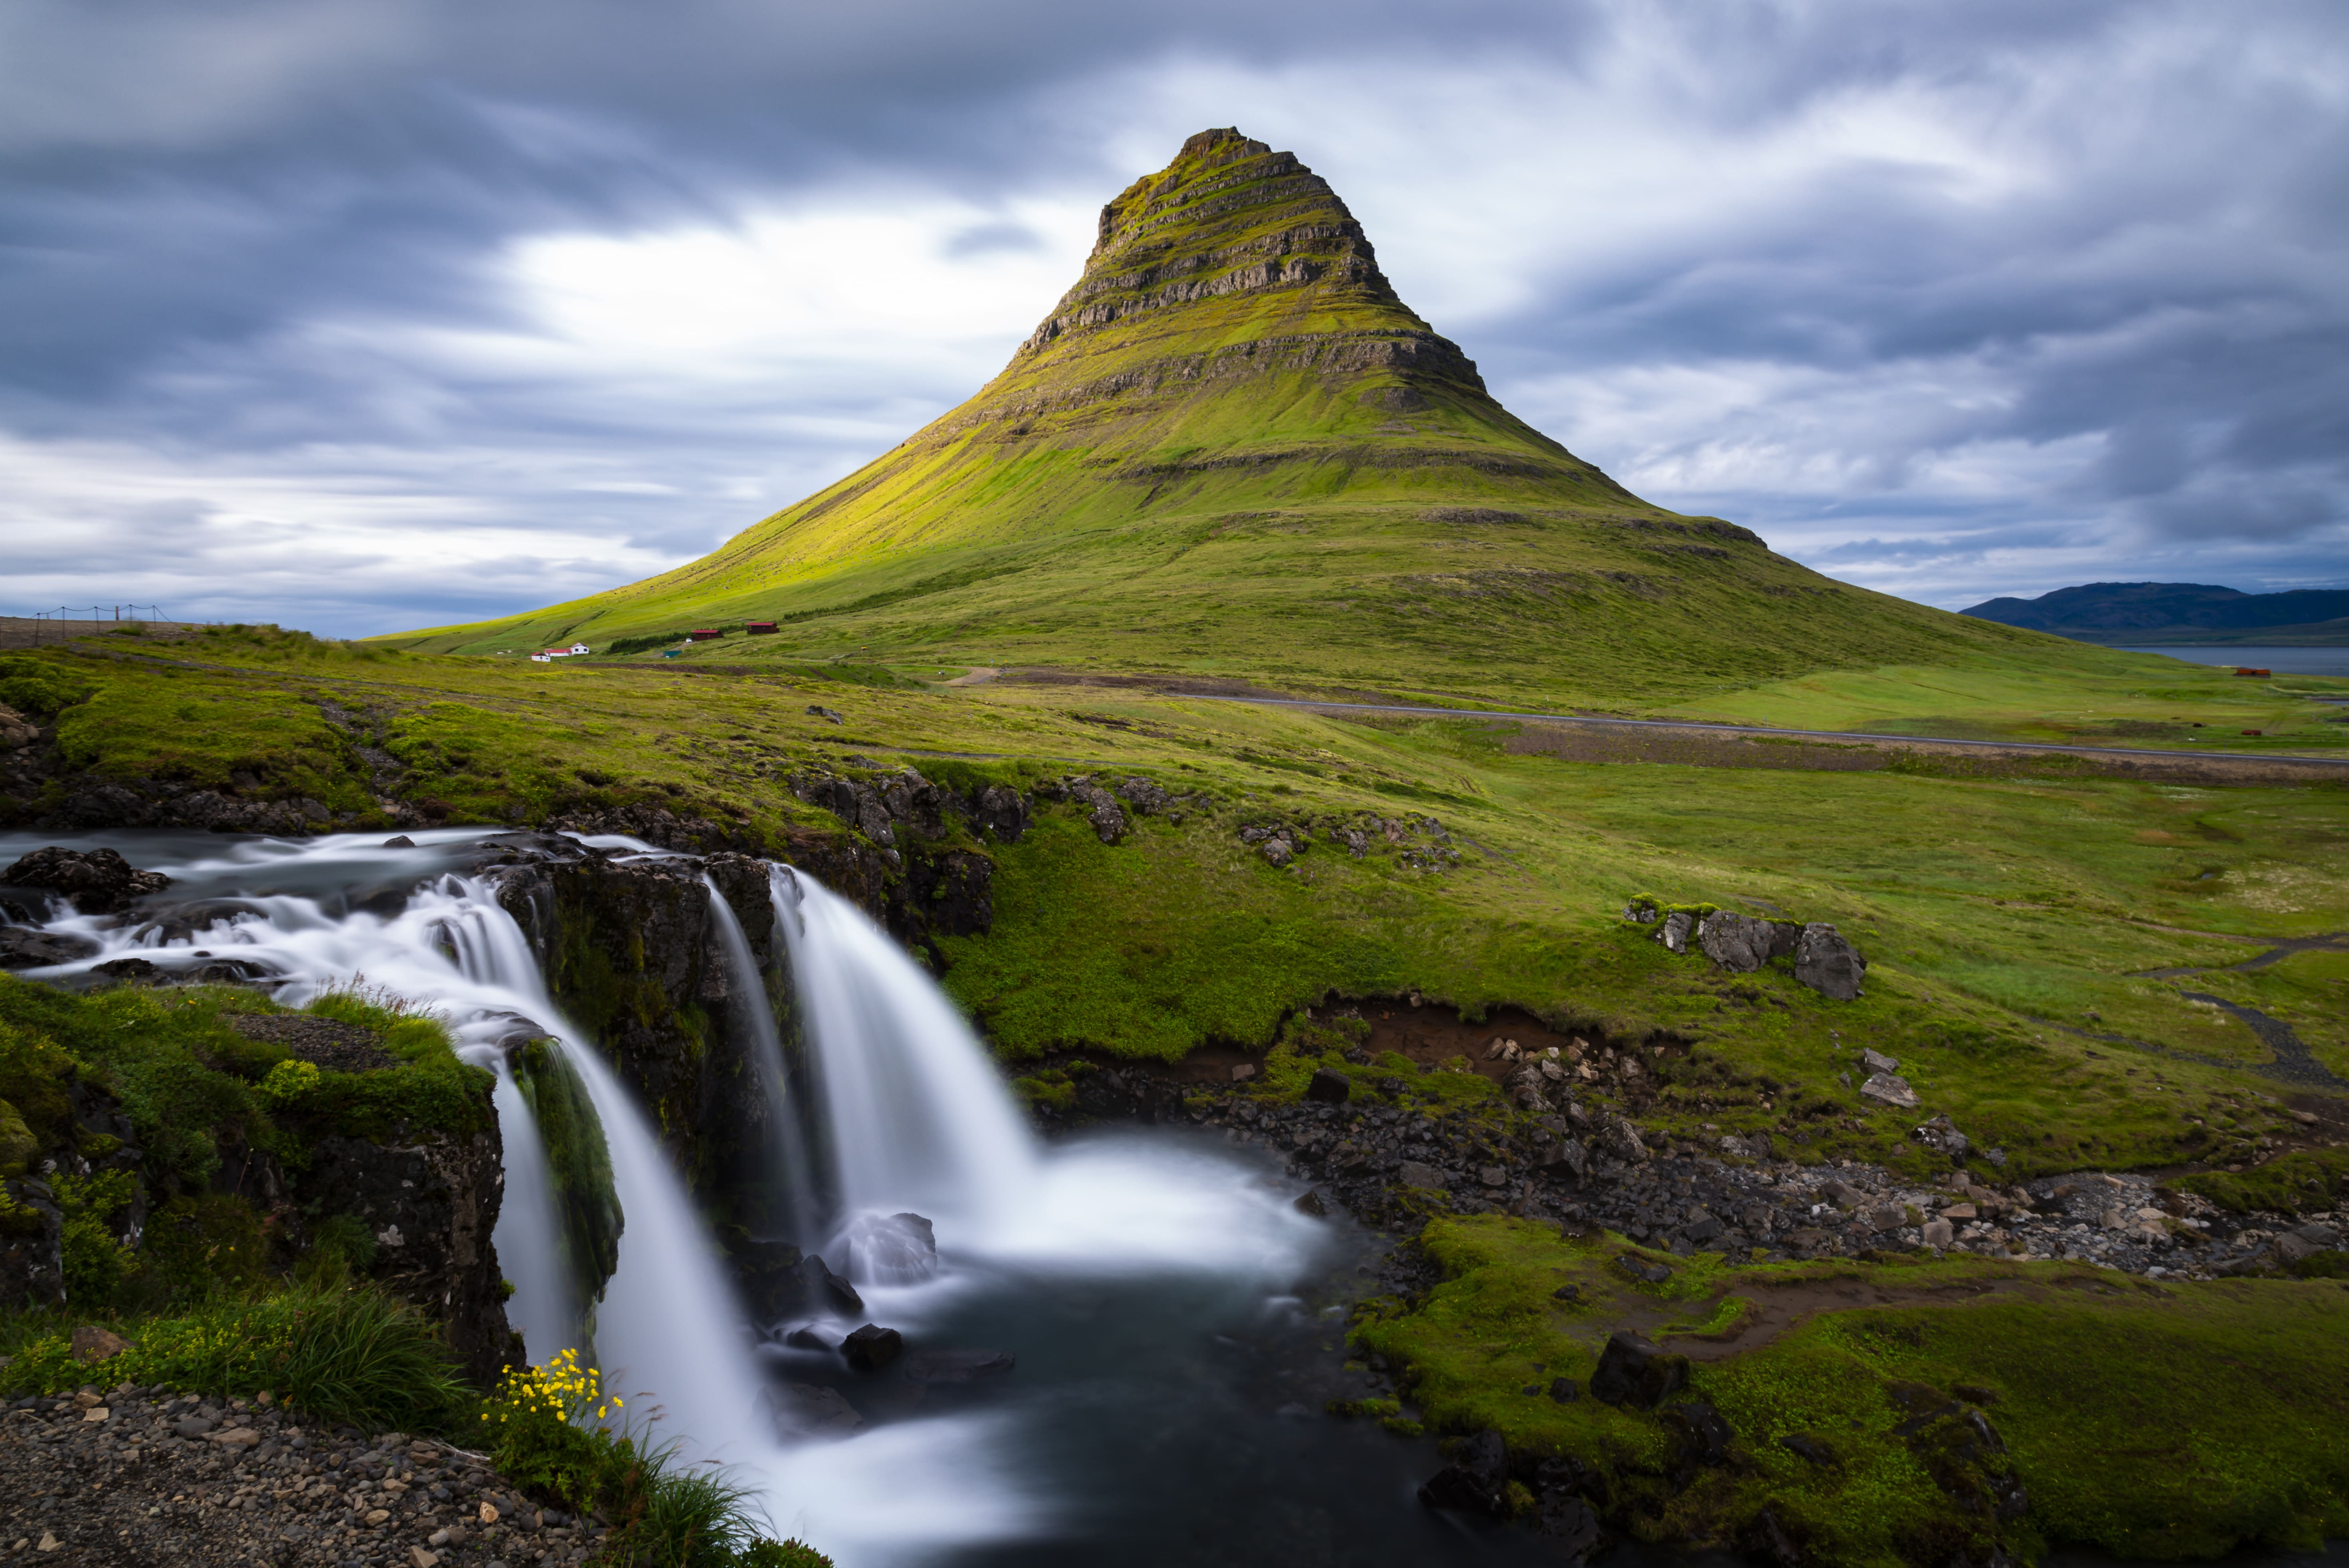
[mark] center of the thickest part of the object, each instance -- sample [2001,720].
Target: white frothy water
[919,1120]
[916,1118]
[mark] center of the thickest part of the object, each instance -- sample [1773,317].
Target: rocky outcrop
[1741,944]
[95,881]
[1828,965]
[1819,956]
[632,954]
[430,1201]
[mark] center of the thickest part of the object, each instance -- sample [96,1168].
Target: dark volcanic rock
[872,1347]
[430,1203]
[23,947]
[96,882]
[1703,1435]
[1473,1480]
[826,1291]
[1827,963]
[1328,1086]
[1633,1372]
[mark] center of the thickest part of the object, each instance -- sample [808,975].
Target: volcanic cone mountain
[1231,450]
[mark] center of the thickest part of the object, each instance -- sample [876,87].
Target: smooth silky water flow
[1177,1324]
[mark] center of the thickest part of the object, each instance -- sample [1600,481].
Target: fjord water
[1177,1324]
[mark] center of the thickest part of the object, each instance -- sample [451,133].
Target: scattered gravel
[341,1047]
[120,1479]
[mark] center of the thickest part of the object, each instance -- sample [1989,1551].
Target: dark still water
[2283,661]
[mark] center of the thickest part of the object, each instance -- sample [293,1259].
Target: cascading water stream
[915,1117]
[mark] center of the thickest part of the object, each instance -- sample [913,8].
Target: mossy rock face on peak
[1231,450]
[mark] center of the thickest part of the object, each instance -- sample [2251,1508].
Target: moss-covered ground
[2145,1419]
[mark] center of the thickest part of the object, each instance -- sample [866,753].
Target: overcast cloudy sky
[361,315]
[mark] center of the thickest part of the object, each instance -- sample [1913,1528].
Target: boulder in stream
[872,1347]
[892,1249]
[96,882]
[23,947]
[826,1291]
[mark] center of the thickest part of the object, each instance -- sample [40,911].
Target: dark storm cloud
[2084,299]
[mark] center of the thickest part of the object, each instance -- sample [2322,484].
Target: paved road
[1698,727]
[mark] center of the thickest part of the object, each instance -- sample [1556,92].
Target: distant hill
[2182,613]
[1232,450]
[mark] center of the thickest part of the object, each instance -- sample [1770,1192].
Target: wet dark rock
[807,1339]
[1002,811]
[131,972]
[1474,1481]
[1416,1174]
[872,1347]
[1329,1087]
[1703,1436]
[1568,1528]
[430,1201]
[956,1367]
[1631,1371]
[399,841]
[826,1291]
[1564,1390]
[96,882]
[892,1249]
[1641,1268]
[24,948]
[1310,1203]
[1827,963]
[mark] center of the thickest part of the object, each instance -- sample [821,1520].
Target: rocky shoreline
[127,1477]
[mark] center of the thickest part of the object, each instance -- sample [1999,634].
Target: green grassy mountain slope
[1232,450]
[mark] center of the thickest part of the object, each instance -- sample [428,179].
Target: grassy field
[2008,915]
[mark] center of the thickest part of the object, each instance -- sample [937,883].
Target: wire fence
[67,620]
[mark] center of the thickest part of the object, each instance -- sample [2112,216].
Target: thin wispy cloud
[363,315]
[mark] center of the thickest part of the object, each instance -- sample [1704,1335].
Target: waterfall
[883,1099]
[787,1134]
[916,1117]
